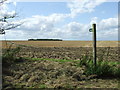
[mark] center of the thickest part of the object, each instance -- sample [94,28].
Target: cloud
[94,20]
[39,26]
[108,29]
[4,9]
[107,24]
[75,30]
[42,23]
[83,6]
[16,34]
[71,31]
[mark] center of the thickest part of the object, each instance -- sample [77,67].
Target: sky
[64,20]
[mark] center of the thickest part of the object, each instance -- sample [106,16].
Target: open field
[62,43]
[56,64]
[70,50]
[70,53]
[58,74]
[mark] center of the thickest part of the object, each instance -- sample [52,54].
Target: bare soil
[51,74]
[70,53]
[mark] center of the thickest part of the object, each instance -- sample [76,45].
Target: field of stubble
[62,43]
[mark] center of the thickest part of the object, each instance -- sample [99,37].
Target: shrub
[9,55]
[103,68]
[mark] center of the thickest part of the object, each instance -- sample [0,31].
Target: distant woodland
[45,40]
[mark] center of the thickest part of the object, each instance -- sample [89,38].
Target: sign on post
[93,30]
[2,31]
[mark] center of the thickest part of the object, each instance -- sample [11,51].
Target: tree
[5,18]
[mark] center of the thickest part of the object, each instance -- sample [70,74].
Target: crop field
[56,64]
[62,43]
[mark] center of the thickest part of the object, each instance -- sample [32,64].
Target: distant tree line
[45,40]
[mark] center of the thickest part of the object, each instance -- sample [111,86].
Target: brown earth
[74,50]
[51,74]
[70,53]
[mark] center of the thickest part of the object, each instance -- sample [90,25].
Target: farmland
[54,64]
[71,50]
[63,43]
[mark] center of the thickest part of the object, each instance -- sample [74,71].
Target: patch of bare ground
[51,74]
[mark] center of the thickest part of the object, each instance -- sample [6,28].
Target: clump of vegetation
[10,55]
[102,69]
[43,86]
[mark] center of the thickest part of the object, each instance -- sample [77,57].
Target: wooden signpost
[93,30]
[2,31]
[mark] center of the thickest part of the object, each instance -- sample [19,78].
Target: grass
[43,86]
[56,60]
[103,68]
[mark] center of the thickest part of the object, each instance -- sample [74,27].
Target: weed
[103,68]
[56,60]
[43,86]
[9,56]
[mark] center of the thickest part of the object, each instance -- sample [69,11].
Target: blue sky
[43,8]
[64,20]
[103,11]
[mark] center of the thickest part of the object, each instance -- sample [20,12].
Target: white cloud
[108,35]
[4,9]
[42,23]
[83,6]
[75,30]
[94,20]
[72,30]
[108,29]
[45,26]
[19,34]
[107,24]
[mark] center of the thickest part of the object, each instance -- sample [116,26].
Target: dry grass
[60,43]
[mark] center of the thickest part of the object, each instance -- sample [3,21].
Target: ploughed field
[70,53]
[70,50]
[40,68]
[52,74]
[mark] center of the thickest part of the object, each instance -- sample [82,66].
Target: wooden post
[94,43]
